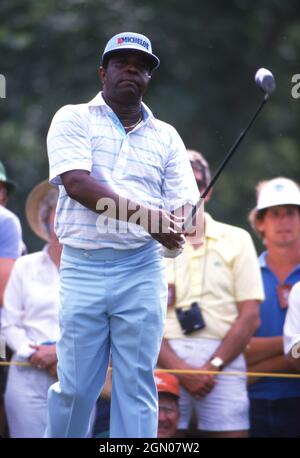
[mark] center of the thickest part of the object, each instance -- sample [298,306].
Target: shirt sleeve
[246,271]
[179,185]
[291,329]
[12,315]
[68,142]
[10,238]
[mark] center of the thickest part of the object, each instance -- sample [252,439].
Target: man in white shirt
[120,172]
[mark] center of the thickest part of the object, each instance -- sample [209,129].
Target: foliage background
[209,51]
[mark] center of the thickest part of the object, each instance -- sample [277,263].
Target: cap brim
[32,208]
[168,391]
[154,60]
[277,204]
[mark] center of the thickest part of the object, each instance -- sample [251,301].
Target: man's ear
[102,74]
[259,225]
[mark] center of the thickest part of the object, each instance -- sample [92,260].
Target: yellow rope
[195,372]
[248,374]
[14,363]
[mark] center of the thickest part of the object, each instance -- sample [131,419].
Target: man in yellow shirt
[215,289]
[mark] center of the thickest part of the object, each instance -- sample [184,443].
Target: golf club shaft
[225,161]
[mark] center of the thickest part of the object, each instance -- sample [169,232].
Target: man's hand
[44,356]
[199,385]
[166,228]
[53,370]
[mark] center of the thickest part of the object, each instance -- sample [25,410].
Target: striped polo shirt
[148,165]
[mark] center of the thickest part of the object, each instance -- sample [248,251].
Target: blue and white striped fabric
[148,165]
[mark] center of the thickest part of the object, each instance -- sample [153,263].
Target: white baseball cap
[127,41]
[279,191]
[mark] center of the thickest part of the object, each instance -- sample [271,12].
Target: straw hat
[33,207]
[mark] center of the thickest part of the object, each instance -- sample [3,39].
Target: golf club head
[265,80]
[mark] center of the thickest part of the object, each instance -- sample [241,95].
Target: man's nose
[162,416]
[131,65]
[132,69]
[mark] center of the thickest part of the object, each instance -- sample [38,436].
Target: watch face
[217,362]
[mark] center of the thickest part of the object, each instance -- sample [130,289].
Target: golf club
[265,80]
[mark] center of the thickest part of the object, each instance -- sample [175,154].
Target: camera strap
[203,273]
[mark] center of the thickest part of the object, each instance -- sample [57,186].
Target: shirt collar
[213,229]
[262,260]
[98,101]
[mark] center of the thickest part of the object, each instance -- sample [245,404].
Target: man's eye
[143,68]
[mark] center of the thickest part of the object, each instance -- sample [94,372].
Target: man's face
[3,194]
[199,179]
[281,225]
[168,415]
[201,182]
[126,77]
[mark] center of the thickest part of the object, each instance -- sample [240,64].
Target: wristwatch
[217,362]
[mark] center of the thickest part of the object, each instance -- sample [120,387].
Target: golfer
[121,172]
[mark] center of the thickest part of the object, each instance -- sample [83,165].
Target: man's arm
[240,333]
[86,190]
[275,364]
[262,348]
[196,385]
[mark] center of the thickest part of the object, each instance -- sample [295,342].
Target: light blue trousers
[111,301]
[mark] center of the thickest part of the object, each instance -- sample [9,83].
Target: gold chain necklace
[135,124]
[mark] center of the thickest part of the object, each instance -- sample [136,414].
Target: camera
[190,320]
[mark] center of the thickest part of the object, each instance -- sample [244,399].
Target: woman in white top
[30,320]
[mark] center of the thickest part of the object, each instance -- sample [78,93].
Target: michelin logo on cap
[122,40]
[130,40]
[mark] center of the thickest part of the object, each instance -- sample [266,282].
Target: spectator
[10,250]
[6,186]
[30,320]
[10,232]
[291,328]
[275,402]
[168,409]
[215,289]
